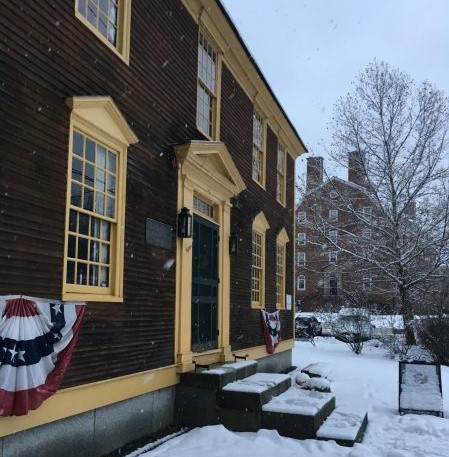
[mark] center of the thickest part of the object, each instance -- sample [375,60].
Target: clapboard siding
[46,56]
[236,132]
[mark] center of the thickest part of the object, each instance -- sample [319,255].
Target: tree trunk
[407,317]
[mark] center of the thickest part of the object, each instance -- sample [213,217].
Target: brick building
[333,218]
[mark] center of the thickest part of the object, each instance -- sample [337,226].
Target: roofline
[259,71]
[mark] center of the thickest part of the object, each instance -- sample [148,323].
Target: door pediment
[212,160]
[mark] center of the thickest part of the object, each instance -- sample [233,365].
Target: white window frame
[333,214]
[333,236]
[302,238]
[259,148]
[299,279]
[301,259]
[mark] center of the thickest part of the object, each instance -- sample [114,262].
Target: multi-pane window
[333,285]
[280,274]
[301,282]
[258,148]
[367,284]
[333,215]
[203,207]
[301,259]
[110,20]
[207,86]
[333,257]
[367,212]
[92,216]
[333,236]
[302,237]
[103,15]
[281,166]
[301,216]
[257,267]
[366,234]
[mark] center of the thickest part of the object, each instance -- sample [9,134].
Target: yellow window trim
[100,119]
[283,200]
[262,182]
[261,225]
[122,49]
[281,241]
[217,97]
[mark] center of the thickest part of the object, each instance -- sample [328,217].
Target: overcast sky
[310,50]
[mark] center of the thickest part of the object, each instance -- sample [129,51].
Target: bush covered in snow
[433,334]
[318,384]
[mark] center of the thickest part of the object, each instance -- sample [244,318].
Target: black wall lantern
[184,223]
[233,244]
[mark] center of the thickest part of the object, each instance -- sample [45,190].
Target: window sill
[70,296]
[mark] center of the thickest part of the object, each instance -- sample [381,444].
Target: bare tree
[400,130]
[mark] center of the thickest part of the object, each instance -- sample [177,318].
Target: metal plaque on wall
[158,234]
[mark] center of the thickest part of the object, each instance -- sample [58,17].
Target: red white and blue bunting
[37,338]
[271,325]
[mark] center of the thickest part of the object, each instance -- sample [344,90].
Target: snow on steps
[318,370]
[344,426]
[297,413]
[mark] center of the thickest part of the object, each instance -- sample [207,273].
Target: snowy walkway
[369,380]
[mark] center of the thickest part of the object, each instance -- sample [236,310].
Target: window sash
[302,238]
[301,260]
[280,275]
[281,166]
[257,267]
[301,282]
[258,148]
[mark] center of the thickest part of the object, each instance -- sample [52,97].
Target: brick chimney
[356,169]
[314,172]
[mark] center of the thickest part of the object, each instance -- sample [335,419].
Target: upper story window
[258,167]
[367,212]
[301,282]
[93,267]
[301,259]
[333,214]
[367,284]
[301,216]
[333,257]
[110,20]
[366,233]
[281,172]
[302,237]
[206,115]
[333,236]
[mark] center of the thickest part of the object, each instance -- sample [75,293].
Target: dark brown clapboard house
[114,117]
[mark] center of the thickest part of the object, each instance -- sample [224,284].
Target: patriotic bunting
[37,338]
[271,325]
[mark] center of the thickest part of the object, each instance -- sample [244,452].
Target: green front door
[204,285]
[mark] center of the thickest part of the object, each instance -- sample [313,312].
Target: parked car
[307,326]
[353,324]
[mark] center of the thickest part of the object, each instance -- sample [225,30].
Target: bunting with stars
[271,325]
[37,338]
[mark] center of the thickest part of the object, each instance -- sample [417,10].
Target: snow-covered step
[297,413]
[318,369]
[344,426]
[252,392]
[218,377]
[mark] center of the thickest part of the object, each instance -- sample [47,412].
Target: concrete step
[251,393]
[297,413]
[217,377]
[344,426]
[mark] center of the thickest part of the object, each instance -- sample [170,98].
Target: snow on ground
[368,380]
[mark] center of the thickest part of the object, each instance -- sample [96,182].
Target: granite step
[240,403]
[297,413]
[251,393]
[344,426]
[218,376]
